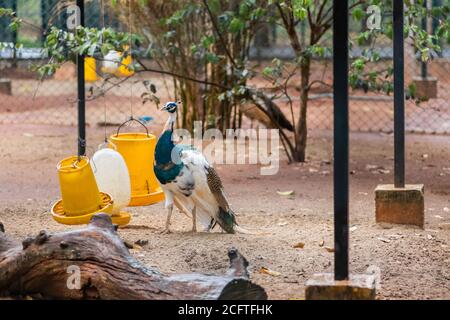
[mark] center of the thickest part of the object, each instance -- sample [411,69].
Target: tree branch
[216,29]
[180,76]
[318,82]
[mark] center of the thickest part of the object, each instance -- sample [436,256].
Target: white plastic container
[111,62]
[111,174]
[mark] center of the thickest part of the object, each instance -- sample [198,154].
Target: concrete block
[5,87]
[400,205]
[358,287]
[426,88]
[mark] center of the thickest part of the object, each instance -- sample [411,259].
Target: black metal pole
[399,96]
[81,93]
[14,34]
[423,65]
[14,37]
[341,137]
[435,23]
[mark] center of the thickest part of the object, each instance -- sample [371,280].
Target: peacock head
[170,107]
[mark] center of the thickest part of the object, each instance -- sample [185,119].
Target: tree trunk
[301,129]
[38,267]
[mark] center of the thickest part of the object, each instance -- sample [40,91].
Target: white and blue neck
[170,122]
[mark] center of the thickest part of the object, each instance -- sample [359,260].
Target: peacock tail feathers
[227,220]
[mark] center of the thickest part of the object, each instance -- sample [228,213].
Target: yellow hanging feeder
[90,69]
[115,64]
[138,150]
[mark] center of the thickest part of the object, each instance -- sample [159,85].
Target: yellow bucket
[124,70]
[79,191]
[116,65]
[90,69]
[138,150]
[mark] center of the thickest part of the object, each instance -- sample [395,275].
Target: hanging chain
[131,48]
[102,3]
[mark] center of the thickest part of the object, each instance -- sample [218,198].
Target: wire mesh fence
[26,99]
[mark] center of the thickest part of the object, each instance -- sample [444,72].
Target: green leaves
[300,8]
[15,21]
[214,6]
[274,71]
[244,9]
[236,25]
[212,58]
[207,41]
[358,13]
[61,46]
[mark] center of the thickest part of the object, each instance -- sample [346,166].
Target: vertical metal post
[423,65]
[81,93]
[14,34]
[435,23]
[399,96]
[14,37]
[341,137]
[6,33]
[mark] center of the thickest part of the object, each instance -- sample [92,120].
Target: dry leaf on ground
[273,273]
[286,193]
[299,245]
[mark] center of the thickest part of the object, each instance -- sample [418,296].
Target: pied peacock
[190,182]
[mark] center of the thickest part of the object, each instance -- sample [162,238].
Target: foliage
[363,75]
[206,40]
[204,47]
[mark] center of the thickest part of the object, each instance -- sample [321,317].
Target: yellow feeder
[81,198]
[79,189]
[90,69]
[123,70]
[138,150]
[114,64]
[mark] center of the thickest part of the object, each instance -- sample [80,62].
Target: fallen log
[94,263]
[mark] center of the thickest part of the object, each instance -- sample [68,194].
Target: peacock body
[189,182]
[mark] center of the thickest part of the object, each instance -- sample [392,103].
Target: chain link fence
[26,99]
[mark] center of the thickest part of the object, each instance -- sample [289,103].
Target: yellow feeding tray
[106,206]
[138,150]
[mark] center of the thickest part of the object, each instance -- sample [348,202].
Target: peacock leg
[211,226]
[194,219]
[169,215]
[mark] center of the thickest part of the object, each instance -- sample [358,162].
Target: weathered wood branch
[39,267]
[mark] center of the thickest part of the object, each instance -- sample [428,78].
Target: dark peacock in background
[190,182]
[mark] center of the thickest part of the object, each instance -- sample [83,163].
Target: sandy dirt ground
[414,263]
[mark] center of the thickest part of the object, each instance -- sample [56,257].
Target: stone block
[426,88]
[400,205]
[358,287]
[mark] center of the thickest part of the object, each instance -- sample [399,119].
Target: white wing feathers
[191,188]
